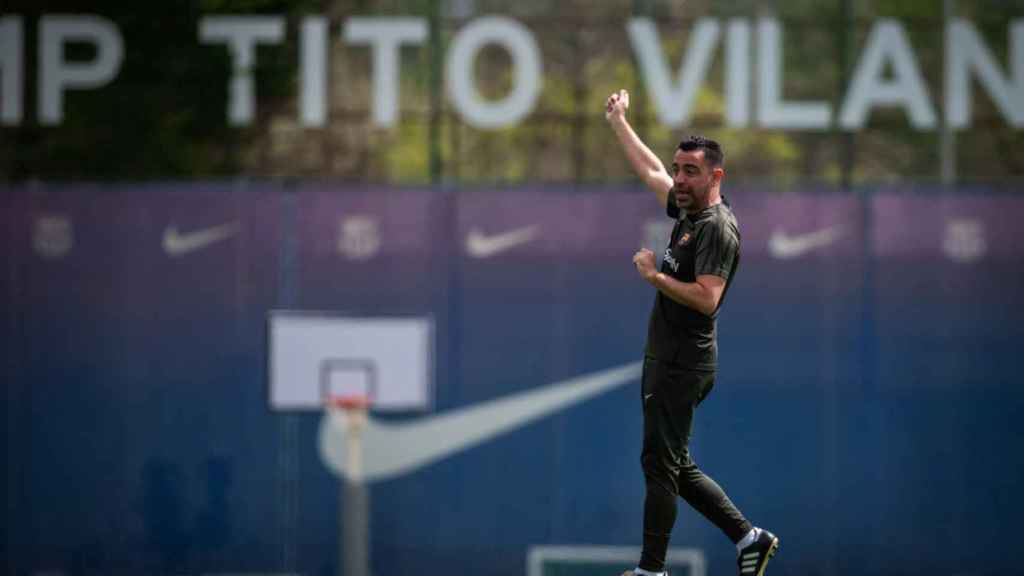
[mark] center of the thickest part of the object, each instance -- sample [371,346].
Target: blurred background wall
[164,189]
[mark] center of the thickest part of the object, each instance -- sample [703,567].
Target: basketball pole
[354,500]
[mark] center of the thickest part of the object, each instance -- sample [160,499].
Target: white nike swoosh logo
[389,450]
[480,245]
[786,247]
[179,244]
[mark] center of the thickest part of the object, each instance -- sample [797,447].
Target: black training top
[707,242]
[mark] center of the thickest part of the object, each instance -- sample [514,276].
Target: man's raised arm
[645,163]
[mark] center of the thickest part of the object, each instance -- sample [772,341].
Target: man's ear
[717,174]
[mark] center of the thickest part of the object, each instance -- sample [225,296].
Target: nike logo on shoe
[480,245]
[176,244]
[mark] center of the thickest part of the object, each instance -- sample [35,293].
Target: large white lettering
[673,99]
[737,73]
[56,74]
[10,71]
[386,35]
[966,53]
[886,74]
[313,98]
[241,33]
[772,111]
[526,64]
[887,43]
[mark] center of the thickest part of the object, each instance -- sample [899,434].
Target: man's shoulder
[720,218]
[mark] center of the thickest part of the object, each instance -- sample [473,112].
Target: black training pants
[670,395]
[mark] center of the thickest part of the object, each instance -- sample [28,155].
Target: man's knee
[690,476]
[656,470]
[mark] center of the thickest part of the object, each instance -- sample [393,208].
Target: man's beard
[686,199]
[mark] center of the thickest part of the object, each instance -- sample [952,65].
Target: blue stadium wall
[868,408]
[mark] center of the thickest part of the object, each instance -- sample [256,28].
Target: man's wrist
[617,120]
[655,278]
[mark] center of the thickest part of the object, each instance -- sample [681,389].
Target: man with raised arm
[681,354]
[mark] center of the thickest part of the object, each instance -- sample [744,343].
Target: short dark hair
[712,150]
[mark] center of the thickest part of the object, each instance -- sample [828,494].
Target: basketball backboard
[315,356]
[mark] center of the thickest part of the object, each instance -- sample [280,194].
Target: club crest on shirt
[684,239]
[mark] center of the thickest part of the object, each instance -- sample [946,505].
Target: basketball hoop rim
[349,403]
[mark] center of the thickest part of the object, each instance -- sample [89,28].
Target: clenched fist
[645,263]
[616,105]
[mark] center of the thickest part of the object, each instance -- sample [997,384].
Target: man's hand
[616,105]
[645,264]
